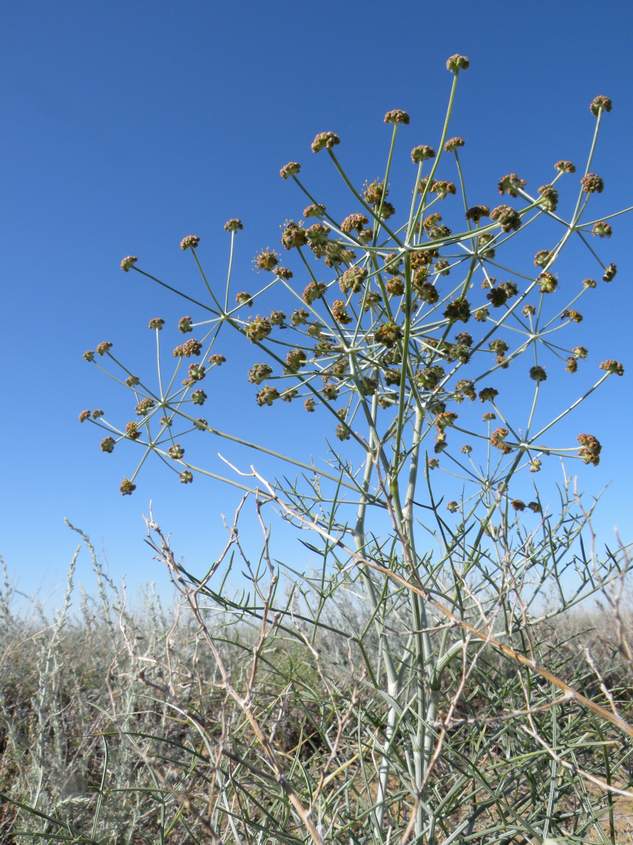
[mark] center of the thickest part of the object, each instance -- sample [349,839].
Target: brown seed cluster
[397,116]
[189,242]
[590,448]
[325,141]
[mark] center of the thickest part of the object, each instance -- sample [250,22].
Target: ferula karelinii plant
[395,322]
[403,323]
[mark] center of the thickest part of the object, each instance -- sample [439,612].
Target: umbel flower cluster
[397,319]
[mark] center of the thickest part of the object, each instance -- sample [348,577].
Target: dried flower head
[614,367]
[233,224]
[187,349]
[600,103]
[185,324]
[243,297]
[293,235]
[107,444]
[375,192]
[609,273]
[476,212]
[292,168]
[547,282]
[511,184]
[128,262]
[592,183]
[313,291]
[267,396]
[84,415]
[537,373]
[590,448]
[397,116]
[459,309]
[88,355]
[454,143]
[103,347]
[259,373]
[315,209]
[189,242]
[324,140]
[572,315]
[602,229]
[258,329]
[186,476]
[455,63]
[284,273]
[309,405]
[549,197]
[156,323]
[267,259]
[339,312]
[564,166]
[388,333]
[176,451]
[353,222]
[353,279]
[131,431]
[127,487]
[198,397]
[422,152]
[507,217]
[488,394]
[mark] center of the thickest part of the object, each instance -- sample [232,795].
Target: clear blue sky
[129,124]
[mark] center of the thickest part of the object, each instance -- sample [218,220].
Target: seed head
[339,312]
[144,406]
[267,396]
[571,365]
[375,192]
[189,242]
[397,116]
[608,275]
[284,273]
[590,448]
[132,381]
[572,315]
[292,168]
[395,286]
[176,451]
[107,444]
[547,282]
[325,140]
[511,184]
[187,349]
[309,405]
[185,324]
[128,262]
[103,347]
[600,103]
[476,212]
[353,222]
[488,394]
[388,333]
[127,487]
[277,318]
[454,143]
[242,297]
[549,197]
[506,217]
[217,360]
[293,236]
[459,309]
[88,355]
[258,329]
[518,504]
[455,63]
[156,323]
[314,210]
[198,397]
[422,152]
[602,229]
[589,283]
[267,259]
[353,279]
[497,439]
[312,291]
[186,476]
[611,366]
[234,224]
[564,166]
[537,374]
[259,373]
[84,415]
[592,183]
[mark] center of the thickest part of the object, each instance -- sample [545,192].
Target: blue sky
[128,125]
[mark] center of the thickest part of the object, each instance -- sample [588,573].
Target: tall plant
[417,659]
